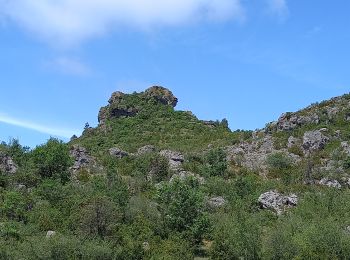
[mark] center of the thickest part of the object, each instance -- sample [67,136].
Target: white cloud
[279,7]
[67,65]
[72,21]
[66,133]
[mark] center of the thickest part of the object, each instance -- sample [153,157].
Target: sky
[245,60]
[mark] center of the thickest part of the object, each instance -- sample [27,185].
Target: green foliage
[216,164]
[52,160]
[14,205]
[183,208]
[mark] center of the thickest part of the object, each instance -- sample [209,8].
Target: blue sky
[244,60]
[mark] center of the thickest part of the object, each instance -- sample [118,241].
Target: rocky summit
[153,182]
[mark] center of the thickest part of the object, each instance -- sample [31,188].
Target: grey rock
[314,141]
[290,121]
[50,234]
[7,165]
[146,149]
[346,147]
[183,175]
[216,202]
[118,153]
[292,141]
[277,202]
[330,183]
[82,160]
[175,159]
[162,95]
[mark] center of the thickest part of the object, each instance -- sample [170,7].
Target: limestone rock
[50,234]
[7,165]
[146,149]
[314,141]
[277,202]
[81,158]
[330,183]
[290,121]
[292,141]
[175,159]
[118,153]
[216,202]
[162,95]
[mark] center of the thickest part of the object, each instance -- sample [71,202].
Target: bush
[216,164]
[52,160]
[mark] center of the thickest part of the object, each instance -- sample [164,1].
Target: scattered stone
[162,95]
[175,159]
[7,165]
[118,153]
[50,234]
[216,202]
[277,202]
[146,246]
[146,149]
[346,147]
[330,183]
[314,141]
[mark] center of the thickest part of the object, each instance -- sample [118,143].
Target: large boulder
[314,141]
[7,165]
[216,202]
[330,183]
[162,95]
[146,149]
[118,153]
[277,202]
[175,159]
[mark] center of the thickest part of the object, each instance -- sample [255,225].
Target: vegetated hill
[150,182]
[149,118]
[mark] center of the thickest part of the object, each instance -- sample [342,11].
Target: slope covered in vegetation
[151,182]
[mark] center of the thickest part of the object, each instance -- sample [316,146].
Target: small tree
[216,163]
[52,160]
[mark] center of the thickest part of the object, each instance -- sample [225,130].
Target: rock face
[175,159]
[7,165]
[216,202]
[290,121]
[118,153]
[162,95]
[253,155]
[277,202]
[82,160]
[314,141]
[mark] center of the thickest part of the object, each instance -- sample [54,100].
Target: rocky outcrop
[118,153]
[82,160]
[290,121]
[162,95]
[7,165]
[314,141]
[277,202]
[175,159]
[253,155]
[216,202]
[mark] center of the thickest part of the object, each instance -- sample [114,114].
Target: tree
[52,160]
[183,207]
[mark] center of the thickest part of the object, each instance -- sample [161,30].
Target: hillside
[151,182]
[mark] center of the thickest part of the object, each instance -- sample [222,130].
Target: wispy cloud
[67,65]
[69,22]
[278,7]
[59,132]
